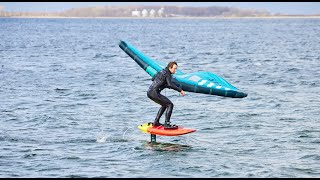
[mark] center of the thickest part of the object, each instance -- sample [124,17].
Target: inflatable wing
[197,82]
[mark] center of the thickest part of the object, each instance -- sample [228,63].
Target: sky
[302,8]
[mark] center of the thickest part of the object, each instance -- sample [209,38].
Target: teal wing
[198,82]
[152,67]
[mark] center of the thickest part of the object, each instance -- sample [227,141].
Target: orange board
[159,130]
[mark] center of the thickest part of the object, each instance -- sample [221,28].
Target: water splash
[102,137]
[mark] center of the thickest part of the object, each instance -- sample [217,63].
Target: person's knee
[170,105]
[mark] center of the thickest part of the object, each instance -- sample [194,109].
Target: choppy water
[71,99]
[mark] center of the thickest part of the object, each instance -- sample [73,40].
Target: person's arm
[171,85]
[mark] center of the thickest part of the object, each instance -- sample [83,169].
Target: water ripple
[71,99]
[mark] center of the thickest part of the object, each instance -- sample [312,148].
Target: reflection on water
[158,146]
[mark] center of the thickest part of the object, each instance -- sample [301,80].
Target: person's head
[172,66]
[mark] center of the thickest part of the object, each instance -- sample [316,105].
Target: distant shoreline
[165,18]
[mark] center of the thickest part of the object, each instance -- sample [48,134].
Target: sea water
[71,99]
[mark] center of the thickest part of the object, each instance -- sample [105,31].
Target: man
[160,81]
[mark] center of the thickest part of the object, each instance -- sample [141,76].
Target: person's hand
[182,93]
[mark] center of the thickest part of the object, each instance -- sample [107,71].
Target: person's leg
[156,98]
[160,112]
[169,107]
[169,111]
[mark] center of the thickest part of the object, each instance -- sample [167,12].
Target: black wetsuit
[160,81]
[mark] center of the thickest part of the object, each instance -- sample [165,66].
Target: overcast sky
[305,8]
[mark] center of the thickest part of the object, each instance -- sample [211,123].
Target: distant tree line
[126,11]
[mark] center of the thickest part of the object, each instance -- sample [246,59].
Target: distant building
[144,13]
[161,12]
[152,13]
[1,8]
[136,13]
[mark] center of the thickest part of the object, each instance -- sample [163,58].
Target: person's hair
[170,64]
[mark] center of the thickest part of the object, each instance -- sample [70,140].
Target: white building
[144,13]
[136,13]
[152,13]
[161,12]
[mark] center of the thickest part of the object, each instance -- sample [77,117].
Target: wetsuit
[160,81]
